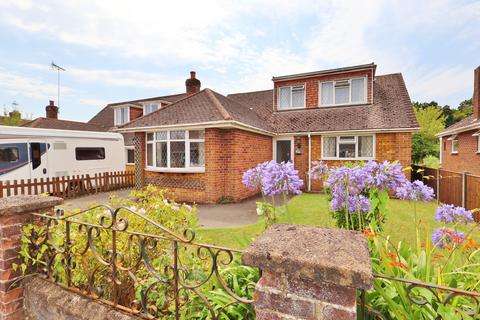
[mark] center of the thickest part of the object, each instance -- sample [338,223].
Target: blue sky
[117,50]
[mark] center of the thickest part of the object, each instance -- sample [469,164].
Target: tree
[431,120]
[12,118]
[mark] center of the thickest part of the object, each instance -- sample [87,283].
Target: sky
[116,50]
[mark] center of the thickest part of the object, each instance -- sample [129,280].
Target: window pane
[365,146]
[342,95]
[88,153]
[330,147]
[177,154]
[162,135]
[197,154]
[284,97]
[149,136]
[358,90]
[177,135]
[298,98]
[196,134]
[149,154]
[161,150]
[130,156]
[8,155]
[454,145]
[346,150]
[327,93]
[347,138]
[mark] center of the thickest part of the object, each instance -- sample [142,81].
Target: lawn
[312,209]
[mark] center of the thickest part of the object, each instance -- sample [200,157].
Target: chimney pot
[192,84]
[476,93]
[52,110]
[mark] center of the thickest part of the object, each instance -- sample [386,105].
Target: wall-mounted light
[298,150]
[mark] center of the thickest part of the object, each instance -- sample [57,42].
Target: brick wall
[467,158]
[228,153]
[389,146]
[135,113]
[312,85]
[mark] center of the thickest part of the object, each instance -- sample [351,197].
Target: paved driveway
[209,215]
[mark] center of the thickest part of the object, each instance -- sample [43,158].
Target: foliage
[148,259]
[452,259]
[452,115]
[225,200]
[12,118]
[431,162]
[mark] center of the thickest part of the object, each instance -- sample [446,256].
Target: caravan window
[36,155]
[90,153]
[8,154]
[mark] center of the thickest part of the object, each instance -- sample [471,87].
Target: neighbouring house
[199,146]
[460,143]
[116,114]
[51,121]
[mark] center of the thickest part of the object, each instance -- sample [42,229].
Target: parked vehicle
[29,153]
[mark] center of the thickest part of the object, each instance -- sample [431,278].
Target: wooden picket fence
[69,186]
[459,189]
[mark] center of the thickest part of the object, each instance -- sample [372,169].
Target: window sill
[130,164]
[454,152]
[348,159]
[176,170]
[290,109]
[343,104]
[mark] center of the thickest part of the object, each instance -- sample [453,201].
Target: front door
[283,151]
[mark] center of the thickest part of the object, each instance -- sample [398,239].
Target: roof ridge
[246,92]
[218,104]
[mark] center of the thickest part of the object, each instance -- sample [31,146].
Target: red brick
[332,313]
[281,303]
[467,159]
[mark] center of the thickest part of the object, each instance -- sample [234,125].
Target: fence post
[464,189]
[309,272]
[438,185]
[15,212]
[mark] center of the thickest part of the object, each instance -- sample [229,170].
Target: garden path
[209,215]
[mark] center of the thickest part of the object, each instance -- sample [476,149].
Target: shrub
[225,200]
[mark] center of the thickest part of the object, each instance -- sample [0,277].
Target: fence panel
[451,187]
[473,192]
[69,186]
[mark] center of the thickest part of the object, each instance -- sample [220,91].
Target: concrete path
[209,215]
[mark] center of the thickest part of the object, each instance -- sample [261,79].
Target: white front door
[283,150]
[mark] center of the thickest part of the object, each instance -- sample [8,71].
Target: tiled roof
[457,127]
[49,123]
[391,109]
[105,116]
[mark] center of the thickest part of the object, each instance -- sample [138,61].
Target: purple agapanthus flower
[319,170]
[252,178]
[444,236]
[356,204]
[345,180]
[450,214]
[416,191]
[385,175]
[281,178]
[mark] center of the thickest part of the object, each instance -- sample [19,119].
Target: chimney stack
[52,110]
[476,93]
[192,84]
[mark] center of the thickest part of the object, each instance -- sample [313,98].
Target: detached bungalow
[199,146]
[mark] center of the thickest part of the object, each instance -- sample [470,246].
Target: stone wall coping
[326,255]
[26,203]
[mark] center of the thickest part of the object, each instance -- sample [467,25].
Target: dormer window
[121,115]
[149,108]
[291,97]
[343,92]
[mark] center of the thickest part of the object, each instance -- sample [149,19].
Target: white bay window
[349,147]
[343,92]
[121,115]
[176,150]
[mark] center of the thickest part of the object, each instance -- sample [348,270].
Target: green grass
[312,209]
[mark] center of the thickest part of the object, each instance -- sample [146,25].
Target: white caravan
[29,153]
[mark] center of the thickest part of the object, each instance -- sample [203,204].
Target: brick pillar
[308,272]
[15,212]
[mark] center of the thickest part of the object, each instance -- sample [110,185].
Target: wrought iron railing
[155,275]
[427,297]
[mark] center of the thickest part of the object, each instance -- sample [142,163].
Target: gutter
[309,162]
[462,129]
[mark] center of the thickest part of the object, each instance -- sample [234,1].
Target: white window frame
[292,147]
[147,106]
[291,99]
[187,141]
[126,154]
[458,142]
[349,92]
[115,120]
[337,136]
